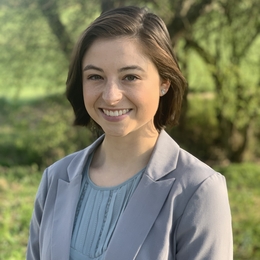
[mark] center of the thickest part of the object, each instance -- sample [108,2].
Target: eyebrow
[133,67]
[92,67]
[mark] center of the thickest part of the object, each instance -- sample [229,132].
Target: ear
[165,84]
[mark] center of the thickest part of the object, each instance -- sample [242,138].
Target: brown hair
[153,36]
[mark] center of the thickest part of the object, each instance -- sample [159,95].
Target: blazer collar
[164,157]
[166,152]
[139,215]
[68,194]
[77,164]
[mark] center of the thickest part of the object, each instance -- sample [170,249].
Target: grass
[18,186]
[243,182]
[27,94]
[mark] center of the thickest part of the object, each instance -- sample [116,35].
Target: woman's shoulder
[194,166]
[191,172]
[184,166]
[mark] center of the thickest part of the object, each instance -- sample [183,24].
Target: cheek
[154,103]
[150,104]
[89,96]
[88,101]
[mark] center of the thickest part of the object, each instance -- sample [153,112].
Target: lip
[114,115]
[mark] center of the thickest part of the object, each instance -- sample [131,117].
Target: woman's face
[121,87]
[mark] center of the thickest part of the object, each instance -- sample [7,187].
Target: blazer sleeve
[33,247]
[205,229]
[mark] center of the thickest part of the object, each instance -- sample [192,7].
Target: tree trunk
[107,5]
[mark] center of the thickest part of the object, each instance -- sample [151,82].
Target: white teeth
[115,112]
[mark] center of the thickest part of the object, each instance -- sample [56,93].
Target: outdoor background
[218,46]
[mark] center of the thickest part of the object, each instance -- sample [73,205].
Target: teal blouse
[98,211]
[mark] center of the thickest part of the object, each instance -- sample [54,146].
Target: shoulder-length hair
[155,41]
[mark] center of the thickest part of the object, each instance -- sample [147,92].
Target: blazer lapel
[139,215]
[138,218]
[66,204]
[146,202]
[64,211]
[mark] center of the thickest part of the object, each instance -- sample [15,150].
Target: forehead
[116,48]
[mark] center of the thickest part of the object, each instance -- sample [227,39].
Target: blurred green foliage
[215,41]
[18,186]
[244,194]
[38,132]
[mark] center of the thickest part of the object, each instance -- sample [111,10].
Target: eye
[94,77]
[130,78]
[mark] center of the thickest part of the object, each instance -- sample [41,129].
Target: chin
[118,132]
[115,134]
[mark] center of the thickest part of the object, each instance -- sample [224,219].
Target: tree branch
[207,57]
[179,23]
[50,10]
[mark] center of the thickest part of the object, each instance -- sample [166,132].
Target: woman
[134,193]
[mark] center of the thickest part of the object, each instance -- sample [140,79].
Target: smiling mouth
[115,112]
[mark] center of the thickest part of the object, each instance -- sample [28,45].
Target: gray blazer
[179,211]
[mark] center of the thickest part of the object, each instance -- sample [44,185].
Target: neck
[130,153]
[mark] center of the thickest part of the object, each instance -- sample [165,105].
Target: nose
[112,94]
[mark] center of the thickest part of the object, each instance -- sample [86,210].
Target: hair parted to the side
[154,39]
